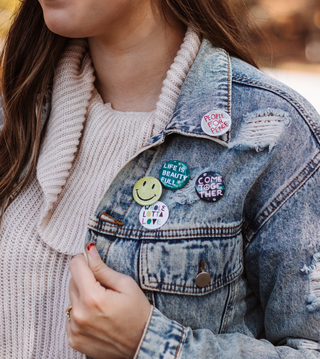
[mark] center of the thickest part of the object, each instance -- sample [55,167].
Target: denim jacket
[260,243]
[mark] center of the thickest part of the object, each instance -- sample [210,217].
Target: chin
[65,31]
[61,25]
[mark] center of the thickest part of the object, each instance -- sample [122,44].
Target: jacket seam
[141,276]
[178,348]
[288,185]
[284,95]
[228,309]
[229,91]
[174,130]
[219,231]
[277,203]
[105,257]
[181,229]
[247,234]
[151,235]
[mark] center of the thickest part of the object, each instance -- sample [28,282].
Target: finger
[108,277]
[73,292]
[82,276]
[89,345]
[75,337]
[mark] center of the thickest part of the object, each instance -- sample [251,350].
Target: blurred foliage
[7,9]
[284,30]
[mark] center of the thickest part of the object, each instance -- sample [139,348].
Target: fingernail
[92,250]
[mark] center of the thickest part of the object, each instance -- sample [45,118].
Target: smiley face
[147,191]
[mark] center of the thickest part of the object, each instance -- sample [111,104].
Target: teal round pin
[174,174]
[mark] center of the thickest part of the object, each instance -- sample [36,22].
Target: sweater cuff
[161,339]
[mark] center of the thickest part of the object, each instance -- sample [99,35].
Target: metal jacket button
[203,278]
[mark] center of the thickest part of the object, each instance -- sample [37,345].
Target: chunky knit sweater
[86,143]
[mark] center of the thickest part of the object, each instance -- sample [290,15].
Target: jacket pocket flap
[172,266]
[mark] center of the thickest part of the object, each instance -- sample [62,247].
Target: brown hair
[217,22]
[28,60]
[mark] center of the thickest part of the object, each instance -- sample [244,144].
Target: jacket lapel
[207,87]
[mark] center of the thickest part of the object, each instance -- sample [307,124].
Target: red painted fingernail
[90,245]
[92,250]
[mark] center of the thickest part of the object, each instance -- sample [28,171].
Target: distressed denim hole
[313,271]
[185,195]
[261,129]
[308,344]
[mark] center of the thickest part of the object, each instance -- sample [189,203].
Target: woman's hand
[109,310]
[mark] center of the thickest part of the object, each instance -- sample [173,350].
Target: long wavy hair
[28,60]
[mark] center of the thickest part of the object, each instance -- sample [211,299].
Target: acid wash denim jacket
[260,243]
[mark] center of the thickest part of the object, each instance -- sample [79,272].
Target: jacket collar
[207,87]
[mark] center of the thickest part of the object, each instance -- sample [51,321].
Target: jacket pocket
[172,266]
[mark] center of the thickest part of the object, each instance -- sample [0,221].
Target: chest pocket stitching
[227,313]
[230,277]
[105,257]
[214,231]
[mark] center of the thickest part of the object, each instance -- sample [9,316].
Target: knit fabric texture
[86,143]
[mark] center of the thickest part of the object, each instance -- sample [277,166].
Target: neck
[132,61]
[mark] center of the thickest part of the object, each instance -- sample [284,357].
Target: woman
[196,189]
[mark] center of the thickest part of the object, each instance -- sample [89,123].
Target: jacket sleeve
[282,264]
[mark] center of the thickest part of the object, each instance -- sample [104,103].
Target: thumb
[106,276]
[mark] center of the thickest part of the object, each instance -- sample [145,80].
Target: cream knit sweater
[85,145]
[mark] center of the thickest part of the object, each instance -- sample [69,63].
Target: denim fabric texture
[260,243]
[255,241]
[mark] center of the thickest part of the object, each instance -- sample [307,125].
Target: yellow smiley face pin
[147,191]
